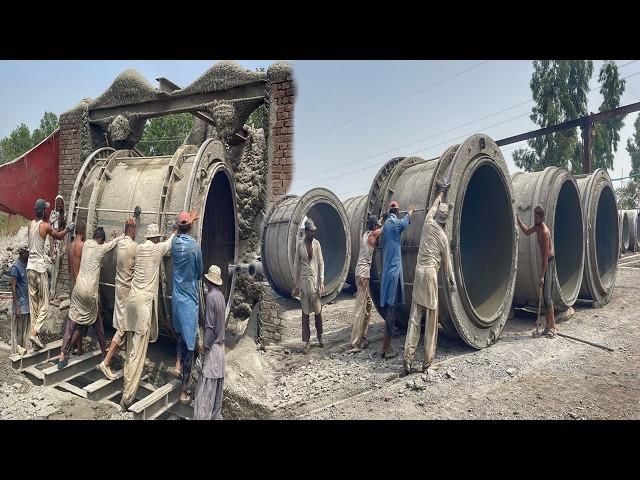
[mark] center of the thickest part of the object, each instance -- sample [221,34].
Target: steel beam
[75,368]
[158,402]
[50,351]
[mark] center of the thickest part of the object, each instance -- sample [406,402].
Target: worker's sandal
[306,348]
[320,342]
[407,367]
[35,339]
[63,363]
[107,371]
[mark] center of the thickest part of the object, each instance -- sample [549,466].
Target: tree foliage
[163,135]
[20,140]
[628,196]
[606,135]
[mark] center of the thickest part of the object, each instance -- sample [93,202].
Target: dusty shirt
[58,245]
[363,267]
[142,311]
[84,298]
[126,256]
[434,248]
[213,366]
[19,271]
[392,287]
[36,248]
[308,274]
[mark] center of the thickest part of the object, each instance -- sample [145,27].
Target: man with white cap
[308,275]
[434,249]
[57,221]
[141,321]
[210,384]
[185,297]
[38,282]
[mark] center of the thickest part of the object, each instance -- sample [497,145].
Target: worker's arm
[434,207]
[543,239]
[199,266]
[165,247]
[448,266]
[110,245]
[320,268]
[296,270]
[406,220]
[373,237]
[14,293]
[209,324]
[526,230]
[69,257]
[58,235]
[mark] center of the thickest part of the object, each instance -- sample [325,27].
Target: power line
[377,109]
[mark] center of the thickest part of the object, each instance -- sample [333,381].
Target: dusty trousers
[136,348]
[208,399]
[38,285]
[362,314]
[413,334]
[306,330]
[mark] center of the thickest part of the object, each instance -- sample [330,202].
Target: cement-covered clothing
[185,300]
[362,314]
[38,285]
[363,266]
[84,298]
[142,308]
[548,283]
[434,249]
[213,365]
[208,399]
[413,333]
[19,272]
[36,260]
[125,263]
[20,329]
[309,275]
[392,288]
[136,352]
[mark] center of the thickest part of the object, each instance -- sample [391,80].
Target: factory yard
[520,377]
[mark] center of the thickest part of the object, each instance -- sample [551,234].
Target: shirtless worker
[74,257]
[547,257]
[38,281]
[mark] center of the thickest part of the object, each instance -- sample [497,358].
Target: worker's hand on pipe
[71,227]
[541,281]
[442,187]
[411,210]
[321,288]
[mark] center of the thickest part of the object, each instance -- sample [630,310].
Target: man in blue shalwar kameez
[185,302]
[392,288]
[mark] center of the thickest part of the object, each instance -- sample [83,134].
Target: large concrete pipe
[481,230]
[634,230]
[602,236]
[112,183]
[557,191]
[356,208]
[283,227]
[626,230]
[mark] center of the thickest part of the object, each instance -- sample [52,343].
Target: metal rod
[114,210]
[586,341]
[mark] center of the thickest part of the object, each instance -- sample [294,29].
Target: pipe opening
[626,232]
[606,244]
[486,241]
[218,229]
[568,238]
[333,240]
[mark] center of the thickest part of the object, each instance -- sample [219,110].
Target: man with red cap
[392,288]
[185,301]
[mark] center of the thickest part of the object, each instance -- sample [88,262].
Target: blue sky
[350,116]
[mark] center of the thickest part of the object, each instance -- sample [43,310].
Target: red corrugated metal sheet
[29,177]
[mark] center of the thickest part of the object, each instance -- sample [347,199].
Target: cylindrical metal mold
[634,230]
[356,208]
[481,230]
[283,227]
[600,218]
[112,183]
[625,229]
[557,191]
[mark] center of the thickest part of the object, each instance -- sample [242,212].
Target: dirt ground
[520,377]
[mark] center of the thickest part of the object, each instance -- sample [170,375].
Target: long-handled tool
[586,341]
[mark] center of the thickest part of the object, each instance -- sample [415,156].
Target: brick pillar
[280,101]
[74,146]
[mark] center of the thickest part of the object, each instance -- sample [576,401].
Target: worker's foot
[320,342]
[364,343]
[354,348]
[106,371]
[64,362]
[306,348]
[425,367]
[21,350]
[185,398]
[407,367]
[35,340]
[551,333]
[124,405]
[390,353]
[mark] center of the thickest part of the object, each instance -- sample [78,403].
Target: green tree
[48,124]
[628,196]
[606,135]
[560,89]
[257,117]
[15,144]
[163,135]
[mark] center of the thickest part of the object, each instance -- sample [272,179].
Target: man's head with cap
[153,233]
[309,228]
[185,221]
[214,275]
[442,214]
[59,203]
[23,252]
[40,206]
[394,207]
[372,223]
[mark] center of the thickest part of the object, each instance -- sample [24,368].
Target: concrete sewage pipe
[625,230]
[481,230]
[602,236]
[112,183]
[557,191]
[283,228]
[634,230]
[356,208]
